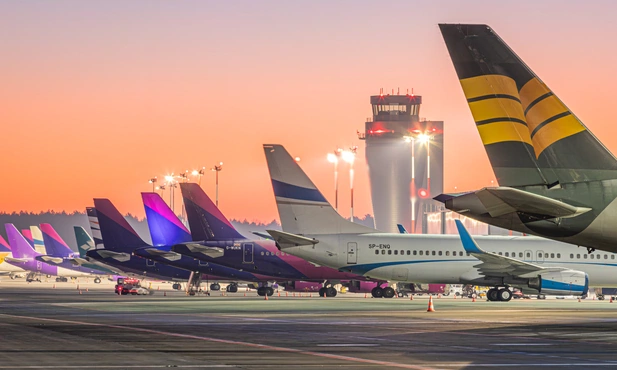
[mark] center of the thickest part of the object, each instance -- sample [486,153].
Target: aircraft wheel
[97,281]
[388,292]
[261,291]
[269,291]
[505,295]
[192,293]
[322,292]
[492,295]
[215,286]
[377,292]
[331,292]
[232,288]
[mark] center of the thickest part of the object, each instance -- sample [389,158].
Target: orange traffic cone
[77,286]
[611,300]
[439,296]
[86,289]
[286,294]
[365,295]
[53,287]
[324,294]
[279,294]
[455,296]
[266,297]
[164,294]
[411,297]
[473,299]
[310,295]
[158,288]
[245,294]
[80,292]
[579,299]
[430,305]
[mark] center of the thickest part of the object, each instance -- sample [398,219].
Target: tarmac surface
[42,327]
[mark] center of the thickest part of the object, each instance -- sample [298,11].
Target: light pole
[412,140]
[217,168]
[349,156]
[171,183]
[153,182]
[199,173]
[333,158]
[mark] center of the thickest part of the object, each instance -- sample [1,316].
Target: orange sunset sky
[99,96]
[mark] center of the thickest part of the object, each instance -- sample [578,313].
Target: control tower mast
[405,160]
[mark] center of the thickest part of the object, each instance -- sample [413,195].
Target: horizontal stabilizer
[212,252]
[262,235]
[50,259]
[78,261]
[503,200]
[288,240]
[170,256]
[118,256]
[16,260]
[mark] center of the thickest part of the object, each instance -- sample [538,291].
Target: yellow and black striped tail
[530,136]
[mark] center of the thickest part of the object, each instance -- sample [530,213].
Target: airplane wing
[499,266]
[212,252]
[288,240]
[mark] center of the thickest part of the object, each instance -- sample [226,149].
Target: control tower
[405,160]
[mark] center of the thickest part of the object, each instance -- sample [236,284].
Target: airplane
[24,256]
[59,253]
[5,267]
[111,236]
[219,242]
[27,233]
[313,230]
[556,179]
[38,242]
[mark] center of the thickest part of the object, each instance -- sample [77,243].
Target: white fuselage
[442,259]
[7,268]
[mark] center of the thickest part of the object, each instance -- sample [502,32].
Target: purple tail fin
[116,232]
[54,244]
[4,246]
[205,219]
[19,245]
[27,233]
[165,227]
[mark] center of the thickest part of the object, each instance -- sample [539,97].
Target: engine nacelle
[566,282]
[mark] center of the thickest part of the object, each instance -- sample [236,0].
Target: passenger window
[447,253]
[262,253]
[612,256]
[500,254]
[584,256]
[408,252]
[578,256]
[552,255]
[415,253]
[433,253]
[558,255]
[528,255]
[376,251]
[591,256]
[428,253]
[396,252]
[389,251]
[520,255]
[421,253]
[539,255]
[383,251]
[571,255]
[267,253]
[403,252]
[507,254]
[605,256]
[440,253]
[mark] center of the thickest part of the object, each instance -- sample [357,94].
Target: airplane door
[39,265]
[352,253]
[540,256]
[150,263]
[247,253]
[528,256]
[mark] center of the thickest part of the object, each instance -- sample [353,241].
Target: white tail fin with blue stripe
[302,208]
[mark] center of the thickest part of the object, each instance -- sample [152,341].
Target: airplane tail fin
[165,227]
[28,235]
[38,242]
[116,232]
[207,222]
[95,228]
[19,245]
[54,245]
[84,241]
[302,208]
[530,136]
[4,246]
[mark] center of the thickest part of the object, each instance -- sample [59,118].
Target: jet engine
[566,282]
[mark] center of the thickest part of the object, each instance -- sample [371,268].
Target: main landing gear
[499,294]
[232,288]
[329,292]
[379,292]
[263,290]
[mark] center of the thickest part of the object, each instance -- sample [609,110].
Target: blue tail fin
[84,241]
[205,219]
[116,232]
[54,244]
[165,227]
[19,245]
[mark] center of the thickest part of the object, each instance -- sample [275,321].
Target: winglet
[469,244]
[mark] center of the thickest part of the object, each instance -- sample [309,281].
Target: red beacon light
[423,193]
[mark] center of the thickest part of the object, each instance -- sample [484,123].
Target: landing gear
[97,280]
[499,294]
[377,292]
[61,279]
[263,290]
[328,292]
[388,292]
[215,286]
[176,286]
[232,288]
